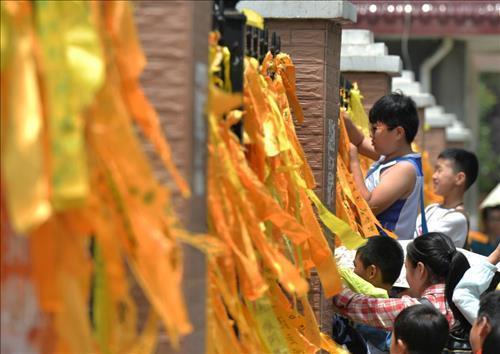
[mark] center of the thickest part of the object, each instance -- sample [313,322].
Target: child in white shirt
[455,171]
[475,282]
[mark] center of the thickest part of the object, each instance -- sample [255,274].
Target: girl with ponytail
[458,339]
[433,268]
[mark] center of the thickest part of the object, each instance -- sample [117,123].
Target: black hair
[458,266]
[437,252]
[492,341]
[463,161]
[489,307]
[386,254]
[422,328]
[445,264]
[396,110]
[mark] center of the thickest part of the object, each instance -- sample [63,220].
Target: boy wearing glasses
[393,184]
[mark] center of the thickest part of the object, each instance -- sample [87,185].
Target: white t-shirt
[450,222]
[474,282]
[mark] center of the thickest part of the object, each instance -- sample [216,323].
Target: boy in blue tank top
[393,185]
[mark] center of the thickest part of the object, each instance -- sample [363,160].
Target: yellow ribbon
[254,19]
[269,327]
[357,111]
[74,67]
[23,160]
[349,238]
[226,60]
[358,115]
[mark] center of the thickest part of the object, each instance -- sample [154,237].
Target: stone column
[435,136]
[174,35]
[310,32]
[458,136]
[407,84]
[367,63]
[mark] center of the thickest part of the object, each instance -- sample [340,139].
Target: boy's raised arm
[396,183]
[363,143]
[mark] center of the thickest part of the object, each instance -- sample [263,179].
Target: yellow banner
[74,70]
[23,137]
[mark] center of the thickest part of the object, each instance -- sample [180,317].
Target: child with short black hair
[393,185]
[455,171]
[431,261]
[485,333]
[379,261]
[419,329]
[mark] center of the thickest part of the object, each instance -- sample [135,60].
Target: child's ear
[484,327]
[421,270]
[399,347]
[401,132]
[372,271]
[460,178]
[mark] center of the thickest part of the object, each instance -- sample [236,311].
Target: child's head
[379,261]
[485,332]
[491,221]
[429,259]
[455,168]
[394,122]
[419,329]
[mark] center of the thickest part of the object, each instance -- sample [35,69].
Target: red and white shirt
[381,313]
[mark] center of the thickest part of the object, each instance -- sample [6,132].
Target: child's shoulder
[449,213]
[432,206]
[408,163]
[400,168]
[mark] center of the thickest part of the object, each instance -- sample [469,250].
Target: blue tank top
[401,216]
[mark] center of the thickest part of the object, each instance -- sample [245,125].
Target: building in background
[453,48]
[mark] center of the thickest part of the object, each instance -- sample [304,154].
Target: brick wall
[456,144]
[315,50]
[314,46]
[435,142]
[174,36]
[420,138]
[164,29]
[371,84]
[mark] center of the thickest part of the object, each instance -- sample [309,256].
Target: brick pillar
[407,84]
[308,42]
[435,137]
[367,63]
[420,138]
[310,32]
[458,136]
[174,35]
